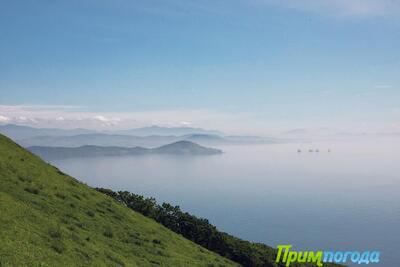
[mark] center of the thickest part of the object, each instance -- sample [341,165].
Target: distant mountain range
[98,139]
[165,131]
[153,136]
[18,132]
[177,148]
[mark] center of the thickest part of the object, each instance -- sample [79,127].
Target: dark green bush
[138,242]
[55,233]
[90,213]
[156,241]
[32,190]
[60,172]
[108,233]
[59,195]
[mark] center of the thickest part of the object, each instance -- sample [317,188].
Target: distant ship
[311,150]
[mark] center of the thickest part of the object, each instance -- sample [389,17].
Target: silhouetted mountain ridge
[177,148]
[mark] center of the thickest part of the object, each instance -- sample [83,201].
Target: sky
[240,66]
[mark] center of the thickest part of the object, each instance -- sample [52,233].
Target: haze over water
[345,199]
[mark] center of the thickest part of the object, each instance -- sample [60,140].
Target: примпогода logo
[285,255]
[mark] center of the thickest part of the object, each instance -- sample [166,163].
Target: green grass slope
[50,219]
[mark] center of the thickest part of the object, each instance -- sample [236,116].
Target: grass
[48,218]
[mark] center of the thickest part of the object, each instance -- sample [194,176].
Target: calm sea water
[345,199]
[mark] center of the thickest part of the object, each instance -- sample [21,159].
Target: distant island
[176,148]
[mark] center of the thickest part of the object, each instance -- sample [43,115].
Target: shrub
[61,196]
[100,211]
[108,233]
[90,213]
[80,225]
[55,233]
[160,253]
[156,241]
[24,179]
[73,182]
[71,216]
[138,243]
[32,190]
[58,247]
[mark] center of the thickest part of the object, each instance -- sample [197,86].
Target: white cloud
[101,118]
[359,8]
[79,117]
[4,119]
[186,123]
[107,121]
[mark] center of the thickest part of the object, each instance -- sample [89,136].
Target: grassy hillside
[49,219]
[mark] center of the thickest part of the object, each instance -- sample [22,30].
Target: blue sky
[242,66]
